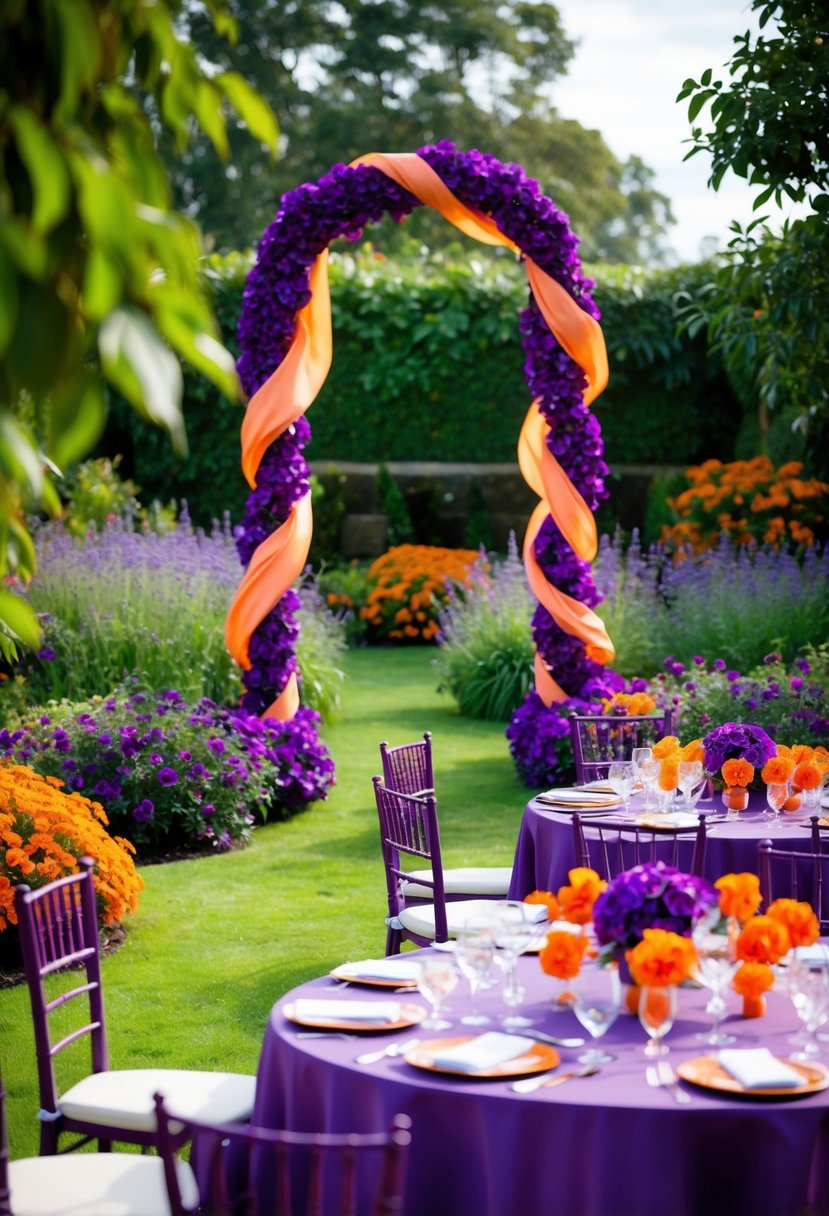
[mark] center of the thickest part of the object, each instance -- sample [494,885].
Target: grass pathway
[217,940]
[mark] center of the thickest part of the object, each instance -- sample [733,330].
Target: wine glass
[474,952]
[513,932]
[776,798]
[715,967]
[597,995]
[808,983]
[621,779]
[689,777]
[657,1014]
[438,977]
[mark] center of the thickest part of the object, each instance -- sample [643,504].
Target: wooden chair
[59,931]
[785,874]
[85,1184]
[600,739]
[409,830]
[262,1172]
[609,846]
[408,769]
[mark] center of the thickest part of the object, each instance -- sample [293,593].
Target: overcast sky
[633,58]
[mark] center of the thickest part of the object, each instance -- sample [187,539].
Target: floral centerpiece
[734,752]
[653,895]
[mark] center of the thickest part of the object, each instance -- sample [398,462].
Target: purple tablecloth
[603,1146]
[545,850]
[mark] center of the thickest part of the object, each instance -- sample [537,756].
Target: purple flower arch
[340,204]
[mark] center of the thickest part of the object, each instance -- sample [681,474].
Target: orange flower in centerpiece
[763,940]
[807,775]
[778,770]
[739,895]
[753,979]
[544,897]
[669,772]
[576,900]
[694,751]
[563,954]
[666,746]
[632,704]
[738,771]
[798,919]
[661,959]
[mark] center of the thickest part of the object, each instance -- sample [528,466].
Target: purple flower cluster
[737,740]
[339,204]
[650,896]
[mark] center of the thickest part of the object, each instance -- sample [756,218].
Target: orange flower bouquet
[662,959]
[408,585]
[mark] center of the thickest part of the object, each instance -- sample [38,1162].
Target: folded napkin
[483,1052]
[397,969]
[757,1068]
[668,819]
[573,797]
[380,1012]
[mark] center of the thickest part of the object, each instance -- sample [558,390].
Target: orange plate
[539,1058]
[410,1016]
[707,1072]
[369,981]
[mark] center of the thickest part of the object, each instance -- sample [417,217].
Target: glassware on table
[646,769]
[597,996]
[621,778]
[690,780]
[776,798]
[514,931]
[438,977]
[657,1014]
[474,954]
[716,964]
[808,984]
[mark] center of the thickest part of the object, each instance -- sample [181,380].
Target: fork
[662,1076]
[393,1049]
[531,1084]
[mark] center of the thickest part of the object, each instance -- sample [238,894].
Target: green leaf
[185,328]
[698,102]
[8,299]
[19,460]
[46,169]
[207,106]
[76,418]
[143,369]
[19,618]
[102,284]
[80,54]
[251,108]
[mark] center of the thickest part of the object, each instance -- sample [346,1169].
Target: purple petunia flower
[167,776]
[144,812]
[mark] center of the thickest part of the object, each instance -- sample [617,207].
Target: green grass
[216,941]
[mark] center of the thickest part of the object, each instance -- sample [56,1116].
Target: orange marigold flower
[739,895]
[778,770]
[753,979]
[694,751]
[665,747]
[563,953]
[807,776]
[661,959]
[800,753]
[576,900]
[544,897]
[669,772]
[738,772]
[763,940]
[798,918]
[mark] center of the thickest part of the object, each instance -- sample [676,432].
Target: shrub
[747,501]
[43,832]
[344,590]
[319,649]
[485,652]
[172,773]
[407,586]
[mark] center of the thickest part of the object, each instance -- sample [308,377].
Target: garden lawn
[217,940]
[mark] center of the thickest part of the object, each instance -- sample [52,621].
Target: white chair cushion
[95,1184]
[421,918]
[125,1098]
[464,880]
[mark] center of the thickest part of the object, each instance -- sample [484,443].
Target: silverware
[393,1049]
[531,1084]
[324,1034]
[540,1037]
[662,1076]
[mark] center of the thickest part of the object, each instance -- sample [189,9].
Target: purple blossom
[144,812]
[796,684]
[167,776]
[737,740]
[652,895]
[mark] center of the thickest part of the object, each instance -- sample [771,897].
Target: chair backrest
[600,739]
[244,1169]
[59,930]
[785,874]
[408,768]
[609,847]
[409,830]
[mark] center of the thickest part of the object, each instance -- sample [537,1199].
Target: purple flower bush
[172,773]
[649,896]
[340,203]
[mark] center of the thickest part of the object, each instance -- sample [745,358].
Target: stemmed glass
[690,779]
[474,952]
[716,964]
[621,779]
[776,798]
[808,982]
[646,769]
[657,1014]
[513,931]
[598,995]
[436,980]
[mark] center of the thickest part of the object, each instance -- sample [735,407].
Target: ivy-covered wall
[428,366]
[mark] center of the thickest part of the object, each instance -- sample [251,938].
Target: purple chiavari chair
[86,1184]
[409,830]
[608,846]
[600,739]
[408,768]
[785,874]
[59,933]
[256,1171]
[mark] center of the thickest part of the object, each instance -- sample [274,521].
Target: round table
[545,848]
[607,1145]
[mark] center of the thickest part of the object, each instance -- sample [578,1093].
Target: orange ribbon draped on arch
[291,388]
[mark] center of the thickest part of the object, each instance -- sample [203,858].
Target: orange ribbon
[294,384]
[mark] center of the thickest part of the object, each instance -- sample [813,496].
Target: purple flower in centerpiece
[649,896]
[739,741]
